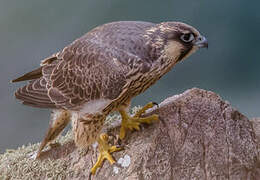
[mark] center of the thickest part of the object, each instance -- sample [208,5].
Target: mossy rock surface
[200,136]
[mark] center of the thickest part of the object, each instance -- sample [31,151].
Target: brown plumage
[104,69]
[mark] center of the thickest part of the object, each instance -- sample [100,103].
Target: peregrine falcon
[101,72]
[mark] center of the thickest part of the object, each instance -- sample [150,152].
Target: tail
[35,74]
[35,94]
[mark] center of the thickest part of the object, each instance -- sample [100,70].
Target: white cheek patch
[173,50]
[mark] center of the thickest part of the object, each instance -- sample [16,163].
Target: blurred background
[32,30]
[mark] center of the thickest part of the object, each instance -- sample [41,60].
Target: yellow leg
[104,152]
[134,122]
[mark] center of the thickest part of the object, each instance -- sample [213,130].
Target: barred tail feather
[35,94]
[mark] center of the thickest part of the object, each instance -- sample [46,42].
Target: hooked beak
[201,42]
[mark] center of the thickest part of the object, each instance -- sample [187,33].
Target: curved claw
[143,109]
[155,103]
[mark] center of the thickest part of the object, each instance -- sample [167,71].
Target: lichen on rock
[200,136]
[21,164]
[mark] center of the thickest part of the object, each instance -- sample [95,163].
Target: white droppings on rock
[115,170]
[94,145]
[32,155]
[125,161]
[185,125]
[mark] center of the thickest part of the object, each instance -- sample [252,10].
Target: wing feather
[35,93]
[95,66]
[84,76]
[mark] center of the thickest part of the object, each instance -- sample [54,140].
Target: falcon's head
[177,40]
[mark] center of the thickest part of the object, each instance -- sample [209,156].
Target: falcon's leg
[104,152]
[86,128]
[86,131]
[131,123]
[59,121]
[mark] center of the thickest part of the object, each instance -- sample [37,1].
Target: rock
[200,136]
[256,125]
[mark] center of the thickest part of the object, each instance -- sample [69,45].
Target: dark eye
[187,37]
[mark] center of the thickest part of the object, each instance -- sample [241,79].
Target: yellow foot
[104,152]
[134,122]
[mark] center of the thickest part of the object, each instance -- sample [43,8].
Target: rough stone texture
[200,136]
[256,125]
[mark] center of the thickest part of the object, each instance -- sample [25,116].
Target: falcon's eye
[187,37]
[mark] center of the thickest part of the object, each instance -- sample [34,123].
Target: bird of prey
[101,72]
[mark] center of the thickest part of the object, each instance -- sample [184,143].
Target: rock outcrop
[200,136]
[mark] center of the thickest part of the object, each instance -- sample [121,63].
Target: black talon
[155,103]
[119,141]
